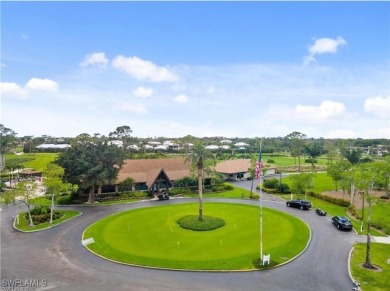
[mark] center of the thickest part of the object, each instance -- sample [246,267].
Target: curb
[349,267]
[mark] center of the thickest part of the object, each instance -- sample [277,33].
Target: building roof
[147,170]
[233,166]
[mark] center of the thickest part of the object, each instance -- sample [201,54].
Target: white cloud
[326,111]
[42,85]
[210,90]
[7,88]
[143,70]
[143,92]
[24,36]
[379,106]
[3,65]
[95,59]
[322,46]
[136,108]
[181,98]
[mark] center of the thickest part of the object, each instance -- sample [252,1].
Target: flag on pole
[259,164]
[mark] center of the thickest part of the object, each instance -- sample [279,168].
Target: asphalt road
[57,260]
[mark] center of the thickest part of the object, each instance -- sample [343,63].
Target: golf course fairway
[151,237]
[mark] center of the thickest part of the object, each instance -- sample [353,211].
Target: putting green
[151,237]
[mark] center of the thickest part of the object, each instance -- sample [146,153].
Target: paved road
[57,256]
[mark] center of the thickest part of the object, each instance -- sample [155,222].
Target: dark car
[342,222]
[298,203]
[320,212]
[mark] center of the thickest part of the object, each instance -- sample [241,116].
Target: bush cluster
[273,186]
[41,214]
[133,195]
[192,222]
[222,187]
[64,200]
[271,161]
[179,191]
[333,200]
[310,160]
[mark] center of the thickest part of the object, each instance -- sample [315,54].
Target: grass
[380,213]
[40,161]
[371,280]
[322,182]
[152,237]
[24,226]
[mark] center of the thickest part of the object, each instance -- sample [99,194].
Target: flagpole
[261,217]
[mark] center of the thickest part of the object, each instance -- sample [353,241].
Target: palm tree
[197,156]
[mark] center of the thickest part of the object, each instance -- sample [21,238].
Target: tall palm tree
[197,156]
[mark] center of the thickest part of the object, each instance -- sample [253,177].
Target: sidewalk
[375,239]
[381,239]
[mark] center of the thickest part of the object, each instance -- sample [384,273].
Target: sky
[231,69]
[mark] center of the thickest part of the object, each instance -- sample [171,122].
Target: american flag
[259,164]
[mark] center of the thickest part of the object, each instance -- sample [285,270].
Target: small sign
[87,241]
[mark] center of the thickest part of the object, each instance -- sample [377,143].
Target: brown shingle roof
[147,170]
[233,166]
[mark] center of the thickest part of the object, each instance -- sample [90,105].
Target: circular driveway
[58,257]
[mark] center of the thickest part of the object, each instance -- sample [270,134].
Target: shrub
[177,191]
[192,222]
[271,183]
[270,161]
[255,196]
[64,200]
[310,160]
[284,188]
[333,200]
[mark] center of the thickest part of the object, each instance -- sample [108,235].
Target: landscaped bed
[152,237]
[22,224]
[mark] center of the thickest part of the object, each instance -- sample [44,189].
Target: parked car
[342,222]
[320,212]
[298,203]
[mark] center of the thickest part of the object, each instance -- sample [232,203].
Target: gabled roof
[233,166]
[147,170]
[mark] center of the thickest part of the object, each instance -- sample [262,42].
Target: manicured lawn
[380,213]
[23,223]
[372,280]
[322,182]
[152,237]
[40,161]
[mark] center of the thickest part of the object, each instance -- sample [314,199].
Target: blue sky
[170,69]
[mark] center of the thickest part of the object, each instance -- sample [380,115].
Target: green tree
[365,177]
[122,133]
[7,141]
[297,144]
[54,184]
[314,150]
[198,155]
[330,150]
[24,192]
[353,156]
[91,165]
[337,170]
[301,182]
